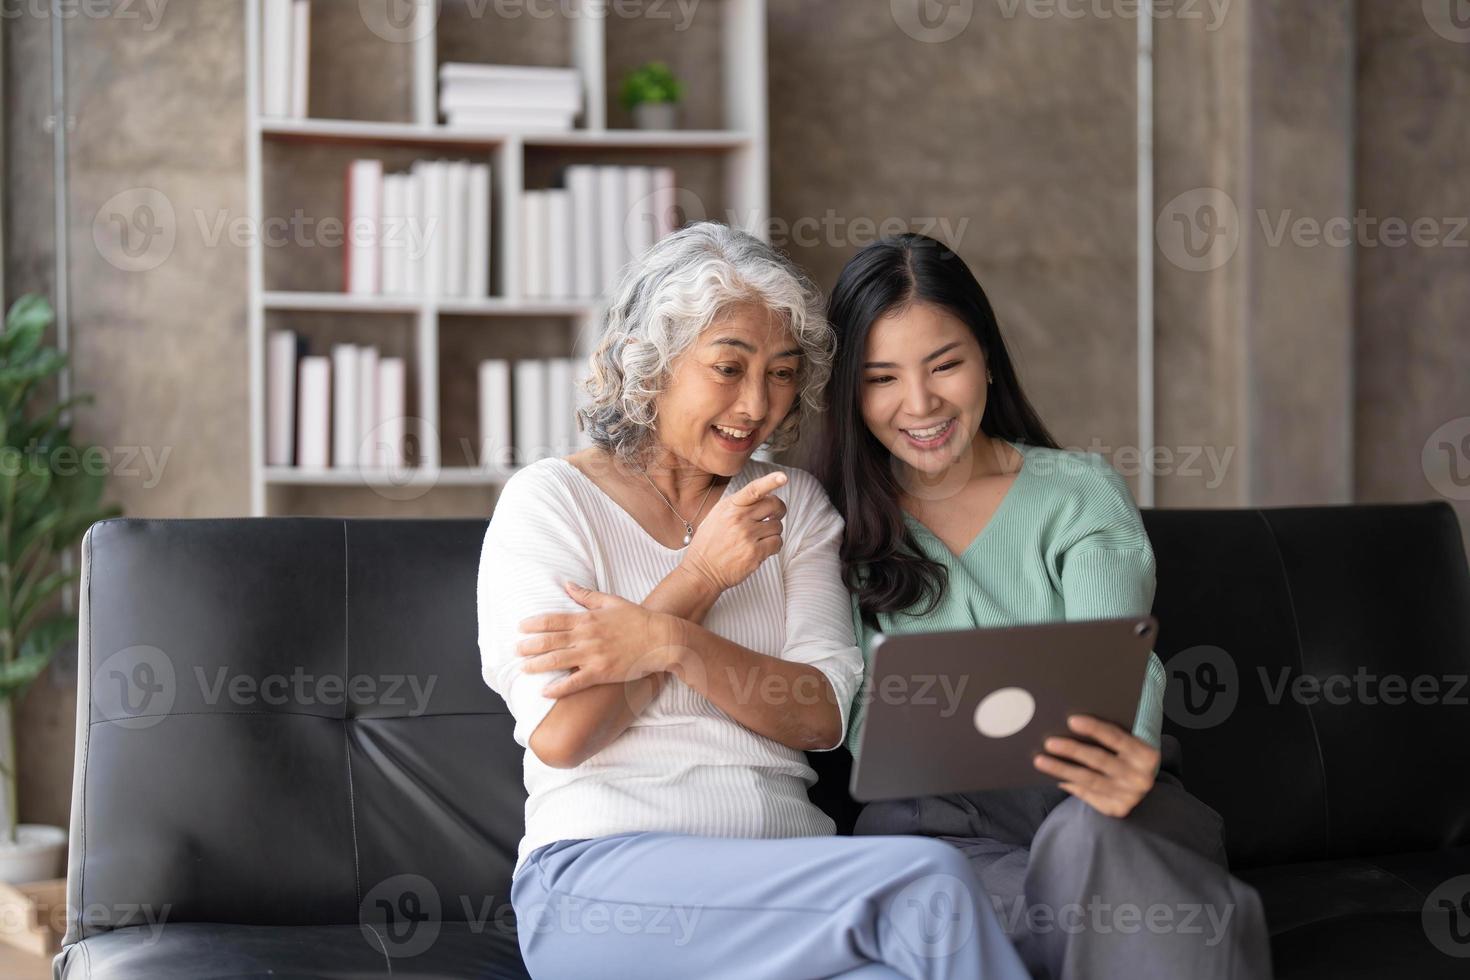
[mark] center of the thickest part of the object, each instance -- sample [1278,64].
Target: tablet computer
[968,710]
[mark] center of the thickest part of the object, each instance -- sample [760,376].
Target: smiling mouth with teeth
[736,434]
[930,432]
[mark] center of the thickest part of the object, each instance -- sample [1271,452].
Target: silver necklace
[688,525]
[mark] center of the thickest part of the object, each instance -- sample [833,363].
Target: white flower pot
[38,854]
[656,115]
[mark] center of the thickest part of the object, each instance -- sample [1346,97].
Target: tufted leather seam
[346,736]
[1296,629]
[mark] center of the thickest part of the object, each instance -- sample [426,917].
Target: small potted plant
[652,94]
[48,499]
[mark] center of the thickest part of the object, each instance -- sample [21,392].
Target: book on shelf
[509,97]
[496,450]
[577,238]
[388,434]
[528,409]
[581,181]
[367,420]
[361,268]
[421,233]
[342,410]
[284,349]
[529,417]
[300,57]
[344,405]
[285,58]
[313,428]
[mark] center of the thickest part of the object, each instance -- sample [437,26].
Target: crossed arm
[622,652]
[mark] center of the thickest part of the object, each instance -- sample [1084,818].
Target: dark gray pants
[1083,895]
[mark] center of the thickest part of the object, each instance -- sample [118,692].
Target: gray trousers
[1083,895]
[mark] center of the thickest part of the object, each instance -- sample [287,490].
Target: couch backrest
[1318,661]
[282,720]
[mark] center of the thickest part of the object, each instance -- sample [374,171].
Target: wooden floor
[16,965]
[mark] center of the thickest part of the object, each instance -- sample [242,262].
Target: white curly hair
[665,300]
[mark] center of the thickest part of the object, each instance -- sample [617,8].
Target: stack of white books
[528,410]
[346,410]
[285,57]
[509,97]
[421,233]
[579,237]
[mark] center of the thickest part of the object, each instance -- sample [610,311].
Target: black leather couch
[287,762]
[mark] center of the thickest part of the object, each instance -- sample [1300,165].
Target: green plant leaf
[24,326]
[36,651]
[32,369]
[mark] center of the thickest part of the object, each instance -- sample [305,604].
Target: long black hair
[880,561]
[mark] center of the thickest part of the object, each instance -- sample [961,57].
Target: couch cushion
[189,950]
[1365,917]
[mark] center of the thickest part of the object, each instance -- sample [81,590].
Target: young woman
[961,512]
[669,652]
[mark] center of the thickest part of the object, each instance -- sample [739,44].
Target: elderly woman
[669,652]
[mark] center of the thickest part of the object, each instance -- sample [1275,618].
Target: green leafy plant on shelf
[653,82]
[49,496]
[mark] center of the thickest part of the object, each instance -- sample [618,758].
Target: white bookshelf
[742,149]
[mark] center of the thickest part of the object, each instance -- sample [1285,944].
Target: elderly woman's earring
[989,379]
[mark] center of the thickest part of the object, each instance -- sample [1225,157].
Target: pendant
[688,532]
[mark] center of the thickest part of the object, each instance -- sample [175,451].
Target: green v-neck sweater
[1065,543]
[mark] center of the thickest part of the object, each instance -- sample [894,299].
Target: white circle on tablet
[1004,712]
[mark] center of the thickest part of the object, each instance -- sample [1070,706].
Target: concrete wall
[1411,365]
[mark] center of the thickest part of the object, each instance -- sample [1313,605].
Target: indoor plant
[49,496]
[652,94]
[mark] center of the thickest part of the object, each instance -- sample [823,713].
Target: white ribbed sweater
[684,766]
